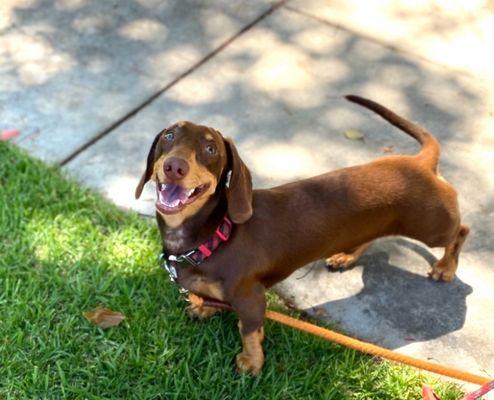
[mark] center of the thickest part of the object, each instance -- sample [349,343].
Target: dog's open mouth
[173,198]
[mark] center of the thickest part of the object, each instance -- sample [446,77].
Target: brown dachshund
[224,241]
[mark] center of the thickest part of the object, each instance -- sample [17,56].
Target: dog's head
[189,163]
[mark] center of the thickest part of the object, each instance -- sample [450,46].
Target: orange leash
[373,349]
[353,343]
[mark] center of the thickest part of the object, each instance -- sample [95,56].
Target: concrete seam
[183,75]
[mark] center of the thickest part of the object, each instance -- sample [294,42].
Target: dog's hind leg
[346,260]
[446,267]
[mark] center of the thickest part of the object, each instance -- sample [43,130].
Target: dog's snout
[176,168]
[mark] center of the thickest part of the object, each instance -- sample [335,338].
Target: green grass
[64,250]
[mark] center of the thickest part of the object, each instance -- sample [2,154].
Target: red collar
[206,249]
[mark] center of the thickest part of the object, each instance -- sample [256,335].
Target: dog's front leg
[250,305]
[197,310]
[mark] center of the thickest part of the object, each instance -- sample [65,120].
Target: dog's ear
[238,186]
[149,168]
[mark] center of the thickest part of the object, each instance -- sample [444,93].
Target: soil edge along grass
[65,250]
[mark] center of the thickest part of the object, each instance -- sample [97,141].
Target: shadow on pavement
[397,306]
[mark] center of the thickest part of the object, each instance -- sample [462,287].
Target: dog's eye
[211,149]
[169,136]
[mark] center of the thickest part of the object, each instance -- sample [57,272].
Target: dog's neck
[194,230]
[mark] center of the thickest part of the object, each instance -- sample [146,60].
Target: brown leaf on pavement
[104,317]
[387,149]
[353,134]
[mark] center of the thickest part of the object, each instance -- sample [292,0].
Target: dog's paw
[439,272]
[201,312]
[248,363]
[340,261]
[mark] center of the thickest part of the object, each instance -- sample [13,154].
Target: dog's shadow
[396,305]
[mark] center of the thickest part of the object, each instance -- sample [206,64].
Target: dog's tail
[430,146]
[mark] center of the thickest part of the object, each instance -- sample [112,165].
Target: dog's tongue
[171,195]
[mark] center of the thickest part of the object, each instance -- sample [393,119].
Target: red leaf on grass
[104,317]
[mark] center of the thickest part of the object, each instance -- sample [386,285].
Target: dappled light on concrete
[34,60]
[70,5]
[282,161]
[172,61]
[280,70]
[118,190]
[92,62]
[199,91]
[144,29]
[457,34]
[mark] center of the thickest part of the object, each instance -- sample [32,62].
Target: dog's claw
[340,261]
[438,274]
[433,275]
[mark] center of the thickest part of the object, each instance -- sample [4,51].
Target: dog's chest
[175,240]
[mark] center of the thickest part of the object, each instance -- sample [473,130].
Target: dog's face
[188,164]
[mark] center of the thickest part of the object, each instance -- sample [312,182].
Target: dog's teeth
[189,193]
[172,204]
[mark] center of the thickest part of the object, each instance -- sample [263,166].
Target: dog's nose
[176,168]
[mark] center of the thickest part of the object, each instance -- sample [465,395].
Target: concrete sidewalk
[91,83]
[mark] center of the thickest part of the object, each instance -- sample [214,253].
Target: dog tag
[172,271]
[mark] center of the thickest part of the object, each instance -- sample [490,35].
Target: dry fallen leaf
[104,317]
[353,134]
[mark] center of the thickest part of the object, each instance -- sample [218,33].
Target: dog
[225,241]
